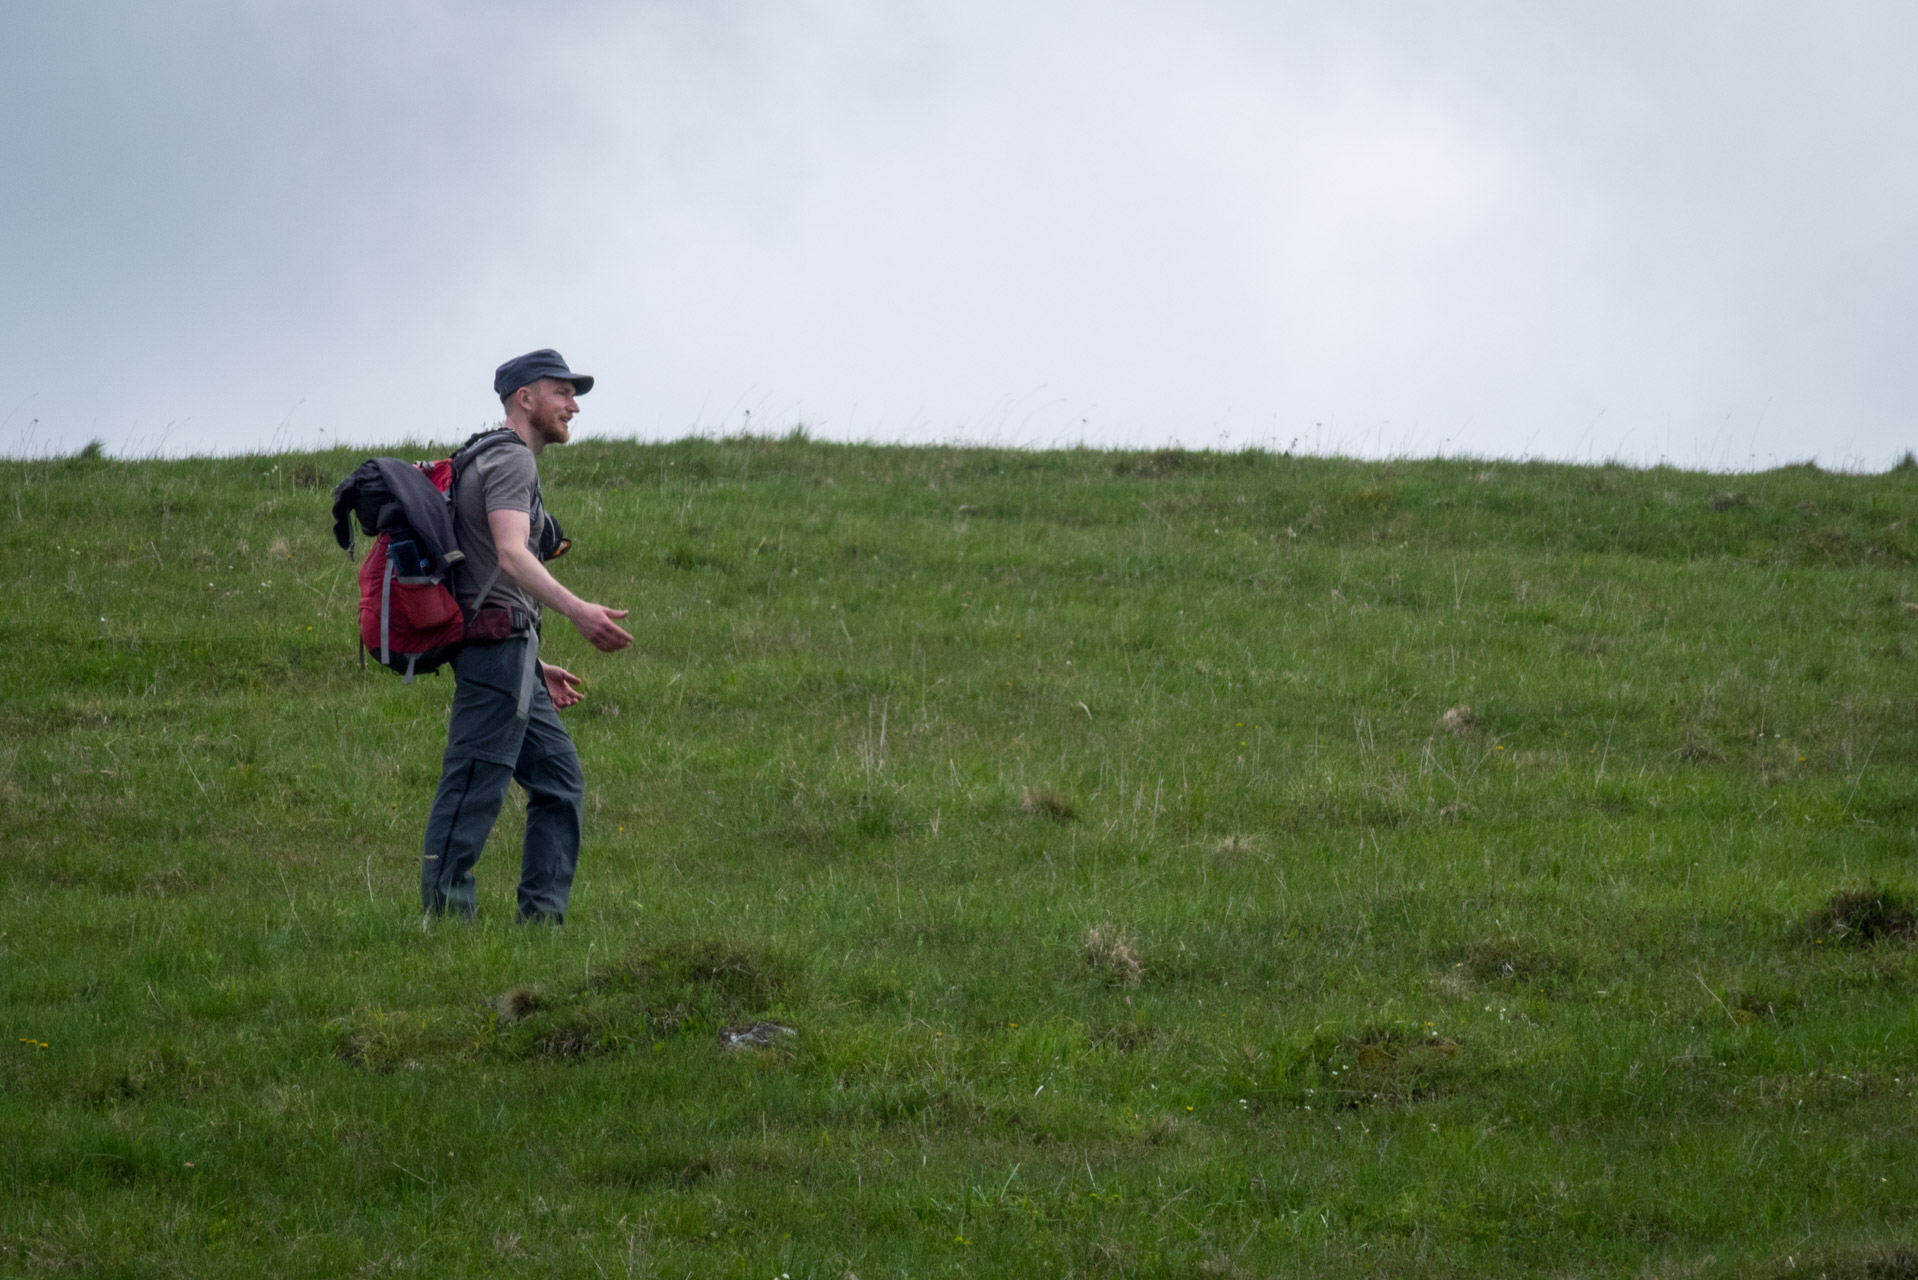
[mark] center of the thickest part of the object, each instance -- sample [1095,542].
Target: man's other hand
[600,627]
[561,685]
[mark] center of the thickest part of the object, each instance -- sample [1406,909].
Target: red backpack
[409,618]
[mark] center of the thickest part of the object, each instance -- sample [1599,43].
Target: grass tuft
[686,556]
[577,1036]
[1697,751]
[1048,803]
[1518,961]
[1753,1005]
[697,983]
[1900,1263]
[674,1166]
[1387,1066]
[380,1040]
[1860,917]
[1114,955]
[517,1003]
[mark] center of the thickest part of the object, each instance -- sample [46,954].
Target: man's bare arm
[595,621]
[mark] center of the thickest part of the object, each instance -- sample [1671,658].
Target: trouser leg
[548,769]
[484,737]
[462,816]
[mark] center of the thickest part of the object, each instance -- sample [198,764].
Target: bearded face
[550,413]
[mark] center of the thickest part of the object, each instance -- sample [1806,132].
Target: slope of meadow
[1169,864]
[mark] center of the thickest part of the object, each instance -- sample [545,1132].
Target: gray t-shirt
[501,477]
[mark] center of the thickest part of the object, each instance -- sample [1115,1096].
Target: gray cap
[534,365]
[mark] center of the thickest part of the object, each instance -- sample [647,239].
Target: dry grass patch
[517,1003]
[1114,955]
[1052,804]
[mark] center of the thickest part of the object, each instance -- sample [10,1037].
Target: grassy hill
[1171,864]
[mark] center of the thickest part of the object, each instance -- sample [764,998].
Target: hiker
[504,725]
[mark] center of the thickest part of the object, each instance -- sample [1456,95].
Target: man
[505,725]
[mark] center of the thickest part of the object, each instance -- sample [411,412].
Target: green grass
[1612,973]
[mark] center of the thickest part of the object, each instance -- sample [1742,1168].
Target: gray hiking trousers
[489,747]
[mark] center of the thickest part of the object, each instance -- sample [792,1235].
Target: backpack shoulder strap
[480,443]
[463,458]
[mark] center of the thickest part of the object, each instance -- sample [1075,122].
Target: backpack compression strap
[386,608]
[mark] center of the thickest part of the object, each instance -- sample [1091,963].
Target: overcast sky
[1651,231]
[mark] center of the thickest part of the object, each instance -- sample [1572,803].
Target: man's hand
[561,685]
[596,623]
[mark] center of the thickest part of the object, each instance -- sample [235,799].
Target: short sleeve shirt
[502,477]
